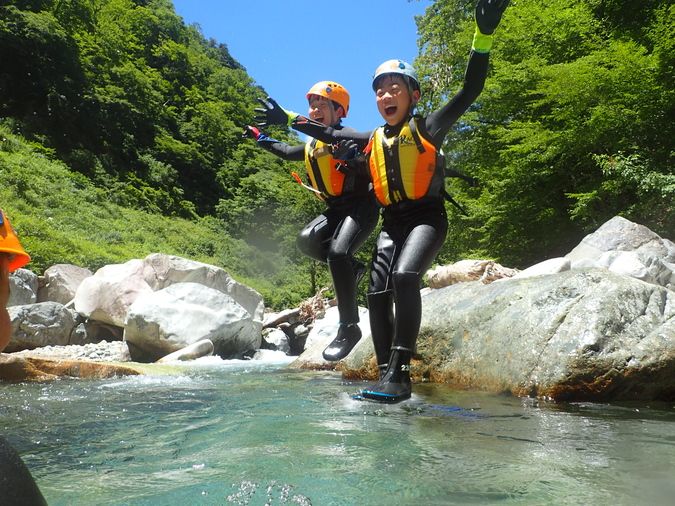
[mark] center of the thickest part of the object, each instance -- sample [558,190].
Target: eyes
[319,104]
[392,89]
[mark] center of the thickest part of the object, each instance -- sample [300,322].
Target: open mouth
[390,110]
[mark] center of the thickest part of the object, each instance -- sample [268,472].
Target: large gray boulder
[630,249]
[182,314]
[578,335]
[586,334]
[23,287]
[43,324]
[161,271]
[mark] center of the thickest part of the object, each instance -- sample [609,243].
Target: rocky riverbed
[104,351]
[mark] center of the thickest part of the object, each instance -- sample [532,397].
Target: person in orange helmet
[406,166]
[12,257]
[351,213]
[17,485]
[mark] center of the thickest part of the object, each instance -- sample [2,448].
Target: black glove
[270,114]
[350,156]
[489,14]
[345,150]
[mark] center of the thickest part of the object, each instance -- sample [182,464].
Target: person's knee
[309,245]
[338,253]
[405,280]
[302,241]
[378,299]
[378,282]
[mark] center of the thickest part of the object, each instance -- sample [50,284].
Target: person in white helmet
[406,168]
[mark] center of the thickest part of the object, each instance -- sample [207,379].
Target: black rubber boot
[381,315]
[395,385]
[347,337]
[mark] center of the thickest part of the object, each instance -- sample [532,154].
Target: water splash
[274,493]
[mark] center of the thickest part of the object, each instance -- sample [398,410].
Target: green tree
[571,129]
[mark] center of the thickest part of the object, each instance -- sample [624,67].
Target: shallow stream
[257,433]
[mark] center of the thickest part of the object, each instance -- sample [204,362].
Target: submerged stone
[15,369]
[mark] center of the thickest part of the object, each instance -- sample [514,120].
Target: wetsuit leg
[349,235]
[381,313]
[421,245]
[418,253]
[381,297]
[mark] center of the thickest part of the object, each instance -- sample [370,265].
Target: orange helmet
[332,91]
[9,243]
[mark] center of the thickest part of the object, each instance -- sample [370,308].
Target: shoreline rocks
[597,324]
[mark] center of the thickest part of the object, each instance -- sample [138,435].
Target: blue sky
[287,46]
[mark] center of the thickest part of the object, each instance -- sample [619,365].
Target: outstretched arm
[488,15]
[272,113]
[281,149]
[329,134]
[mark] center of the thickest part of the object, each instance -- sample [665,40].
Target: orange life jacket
[405,167]
[322,169]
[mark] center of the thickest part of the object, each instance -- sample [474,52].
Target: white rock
[203,348]
[165,321]
[107,295]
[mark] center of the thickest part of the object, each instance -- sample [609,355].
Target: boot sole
[382,397]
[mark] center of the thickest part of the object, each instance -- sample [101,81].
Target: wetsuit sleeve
[283,150]
[438,123]
[328,134]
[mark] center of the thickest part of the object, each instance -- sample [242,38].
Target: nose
[385,96]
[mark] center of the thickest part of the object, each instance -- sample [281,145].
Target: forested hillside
[120,130]
[117,108]
[574,126]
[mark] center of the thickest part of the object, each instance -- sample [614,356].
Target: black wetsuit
[17,486]
[413,231]
[336,234]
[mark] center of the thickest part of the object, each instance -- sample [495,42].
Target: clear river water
[257,433]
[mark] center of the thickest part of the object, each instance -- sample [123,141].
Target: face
[393,98]
[4,279]
[321,109]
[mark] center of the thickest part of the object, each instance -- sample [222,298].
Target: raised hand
[489,14]
[270,113]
